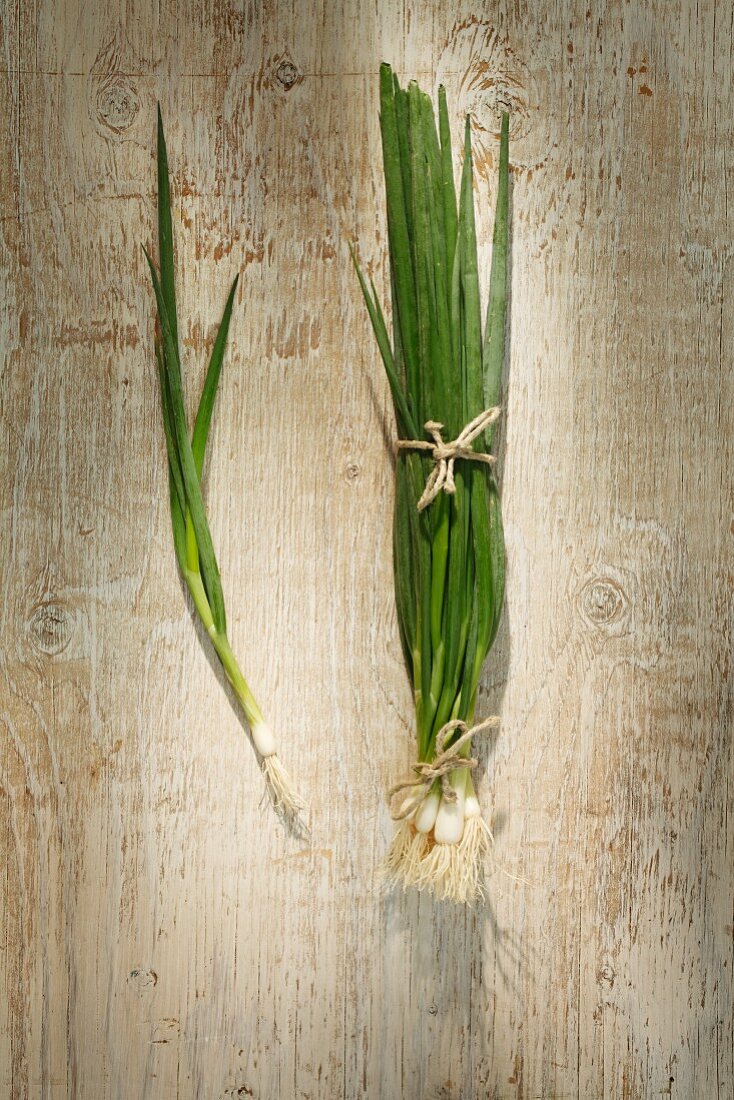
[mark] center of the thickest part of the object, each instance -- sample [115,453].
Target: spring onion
[192,538]
[444,374]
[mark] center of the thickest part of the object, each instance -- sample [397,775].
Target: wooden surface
[160,937]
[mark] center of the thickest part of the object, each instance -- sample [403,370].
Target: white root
[404,857]
[452,871]
[286,802]
[455,872]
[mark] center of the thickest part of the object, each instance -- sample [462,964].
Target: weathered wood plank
[159,935]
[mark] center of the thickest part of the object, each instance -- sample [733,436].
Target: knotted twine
[445,454]
[446,761]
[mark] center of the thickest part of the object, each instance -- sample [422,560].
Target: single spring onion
[444,375]
[192,538]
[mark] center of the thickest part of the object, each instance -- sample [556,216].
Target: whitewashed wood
[159,935]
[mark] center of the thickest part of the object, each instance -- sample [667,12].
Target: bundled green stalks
[191,535]
[448,548]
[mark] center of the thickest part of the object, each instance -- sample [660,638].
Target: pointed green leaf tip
[211,382]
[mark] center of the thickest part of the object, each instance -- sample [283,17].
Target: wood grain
[159,936]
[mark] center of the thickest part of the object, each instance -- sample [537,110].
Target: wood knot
[114,102]
[50,628]
[143,980]
[606,975]
[353,471]
[603,602]
[287,74]
[484,77]
[117,104]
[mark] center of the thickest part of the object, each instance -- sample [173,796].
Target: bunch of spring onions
[191,535]
[444,374]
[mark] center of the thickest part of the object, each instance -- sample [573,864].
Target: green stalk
[449,559]
[186,455]
[234,675]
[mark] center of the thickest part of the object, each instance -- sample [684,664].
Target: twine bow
[445,454]
[446,761]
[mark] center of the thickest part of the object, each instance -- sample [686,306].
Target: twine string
[446,761]
[444,453]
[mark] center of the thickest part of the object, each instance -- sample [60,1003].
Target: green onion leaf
[194,502]
[209,392]
[494,335]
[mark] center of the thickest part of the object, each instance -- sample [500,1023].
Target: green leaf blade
[165,234]
[203,420]
[190,476]
[493,355]
[397,227]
